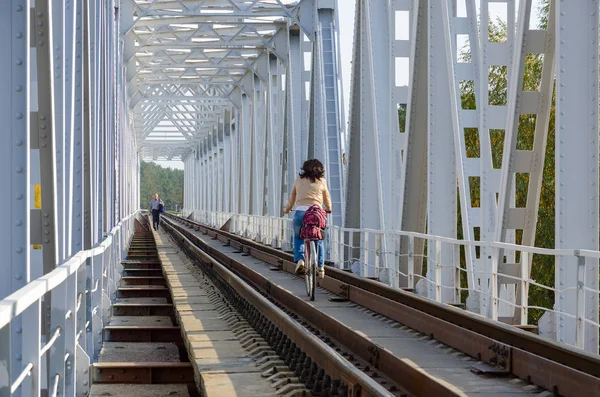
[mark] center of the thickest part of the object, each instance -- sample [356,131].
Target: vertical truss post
[306,47]
[257,149]
[187,171]
[78,127]
[441,167]
[213,169]
[293,106]
[58,73]
[290,158]
[271,147]
[70,33]
[15,160]
[69,50]
[88,214]
[218,161]
[369,121]
[245,142]
[195,196]
[45,125]
[414,205]
[228,157]
[364,201]
[202,177]
[577,162]
[205,173]
[316,123]
[234,159]
[333,123]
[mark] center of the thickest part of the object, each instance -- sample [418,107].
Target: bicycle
[310,267]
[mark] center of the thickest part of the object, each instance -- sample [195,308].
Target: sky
[346,9]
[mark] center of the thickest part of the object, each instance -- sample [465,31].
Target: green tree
[167,182]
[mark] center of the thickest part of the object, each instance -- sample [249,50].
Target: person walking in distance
[308,189]
[156,205]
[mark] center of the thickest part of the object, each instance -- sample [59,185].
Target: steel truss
[242,92]
[71,167]
[418,180]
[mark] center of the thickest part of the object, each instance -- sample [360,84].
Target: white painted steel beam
[15,85]
[441,166]
[577,169]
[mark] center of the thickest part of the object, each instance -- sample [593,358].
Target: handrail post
[411,262]
[580,301]
[365,255]
[30,348]
[342,251]
[438,271]
[333,243]
[494,282]
[524,286]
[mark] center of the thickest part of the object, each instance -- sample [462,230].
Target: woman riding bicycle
[309,188]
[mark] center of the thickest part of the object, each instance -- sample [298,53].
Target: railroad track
[499,350]
[143,352]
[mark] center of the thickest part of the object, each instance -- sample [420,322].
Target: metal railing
[496,282]
[57,347]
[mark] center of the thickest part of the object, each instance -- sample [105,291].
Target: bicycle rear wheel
[310,273]
[310,263]
[307,268]
[313,270]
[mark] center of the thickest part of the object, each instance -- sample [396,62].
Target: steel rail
[546,363]
[404,373]
[359,383]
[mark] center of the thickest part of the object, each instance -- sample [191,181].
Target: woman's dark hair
[312,169]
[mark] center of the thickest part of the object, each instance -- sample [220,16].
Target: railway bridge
[460,145]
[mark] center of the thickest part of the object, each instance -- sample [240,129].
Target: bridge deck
[219,341]
[430,356]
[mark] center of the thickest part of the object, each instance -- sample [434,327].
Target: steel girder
[438,175]
[242,97]
[206,44]
[577,169]
[71,163]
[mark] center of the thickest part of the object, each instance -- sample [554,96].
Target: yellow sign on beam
[37,203]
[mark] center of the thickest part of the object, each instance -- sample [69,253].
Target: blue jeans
[299,243]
